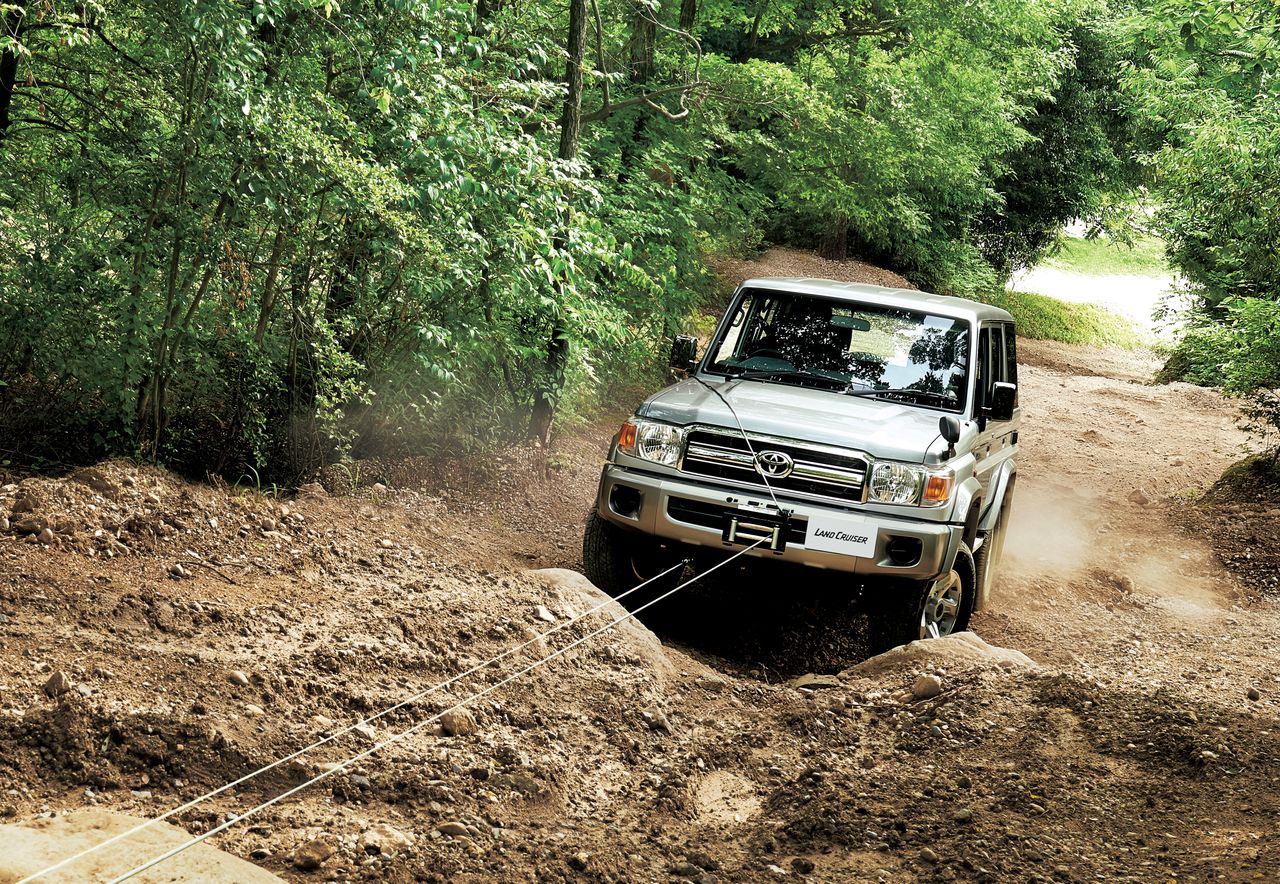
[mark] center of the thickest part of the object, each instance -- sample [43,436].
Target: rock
[25,502]
[963,815]
[802,865]
[177,570]
[254,710]
[458,723]
[384,543]
[1254,694]
[312,489]
[27,524]
[4,523]
[928,855]
[926,687]
[1139,496]
[702,860]
[47,536]
[657,720]
[960,649]
[97,480]
[236,677]
[1177,460]
[453,829]
[382,838]
[366,732]
[379,488]
[58,684]
[544,614]
[84,690]
[579,861]
[686,870]
[33,846]
[314,853]
[812,681]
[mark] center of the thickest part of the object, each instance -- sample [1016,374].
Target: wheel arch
[1002,490]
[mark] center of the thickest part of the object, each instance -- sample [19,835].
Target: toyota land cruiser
[867,430]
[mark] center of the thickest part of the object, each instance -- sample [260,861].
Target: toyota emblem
[774,464]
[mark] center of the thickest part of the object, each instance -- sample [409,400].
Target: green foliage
[1039,316]
[267,236]
[1102,255]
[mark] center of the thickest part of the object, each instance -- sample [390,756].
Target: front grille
[821,471]
[712,515]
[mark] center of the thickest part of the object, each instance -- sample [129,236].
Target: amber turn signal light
[937,489]
[627,437]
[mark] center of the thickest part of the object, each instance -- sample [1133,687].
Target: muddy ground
[1142,744]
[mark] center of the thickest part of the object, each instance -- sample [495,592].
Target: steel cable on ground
[331,737]
[341,766]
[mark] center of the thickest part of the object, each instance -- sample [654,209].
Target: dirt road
[1130,750]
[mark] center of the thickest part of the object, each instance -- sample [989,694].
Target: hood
[883,429]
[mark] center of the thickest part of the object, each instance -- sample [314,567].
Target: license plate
[847,535]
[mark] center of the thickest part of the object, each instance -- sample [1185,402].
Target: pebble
[177,570]
[4,523]
[84,690]
[1139,496]
[802,865]
[656,720]
[382,838]
[929,855]
[1254,694]
[384,543]
[458,723]
[453,829]
[312,855]
[47,536]
[926,687]
[544,614]
[235,676]
[254,710]
[379,488]
[963,815]
[366,731]
[58,684]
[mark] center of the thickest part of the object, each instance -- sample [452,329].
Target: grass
[1039,316]
[1103,256]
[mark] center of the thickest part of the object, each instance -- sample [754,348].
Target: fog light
[625,501]
[903,550]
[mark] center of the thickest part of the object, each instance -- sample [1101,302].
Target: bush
[1039,316]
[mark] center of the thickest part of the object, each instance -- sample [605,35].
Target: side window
[992,360]
[1011,357]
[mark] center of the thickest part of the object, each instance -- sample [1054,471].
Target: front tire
[616,561]
[918,609]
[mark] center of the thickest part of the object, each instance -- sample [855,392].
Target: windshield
[862,349]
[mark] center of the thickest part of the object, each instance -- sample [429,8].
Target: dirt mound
[780,261]
[30,847]
[964,649]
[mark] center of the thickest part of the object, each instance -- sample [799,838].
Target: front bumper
[693,513]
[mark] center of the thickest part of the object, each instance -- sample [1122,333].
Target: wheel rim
[942,606]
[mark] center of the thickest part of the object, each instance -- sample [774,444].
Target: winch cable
[743,430]
[420,725]
[331,737]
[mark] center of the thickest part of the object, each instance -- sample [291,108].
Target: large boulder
[26,848]
[960,650]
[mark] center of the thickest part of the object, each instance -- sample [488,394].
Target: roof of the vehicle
[942,305]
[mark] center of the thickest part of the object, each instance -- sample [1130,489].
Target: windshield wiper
[940,398]
[763,373]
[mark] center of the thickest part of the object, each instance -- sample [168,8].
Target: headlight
[660,443]
[906,484]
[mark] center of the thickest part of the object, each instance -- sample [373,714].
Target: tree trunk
[688,14]
[834,245]
[9,64]
[557,355]
[644,37]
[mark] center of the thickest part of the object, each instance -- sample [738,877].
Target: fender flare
[968,508]
[1002,490]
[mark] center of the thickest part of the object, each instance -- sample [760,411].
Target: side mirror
[949,428]
[684,352]
[1003,397]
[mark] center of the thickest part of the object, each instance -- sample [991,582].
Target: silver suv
[861,429]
